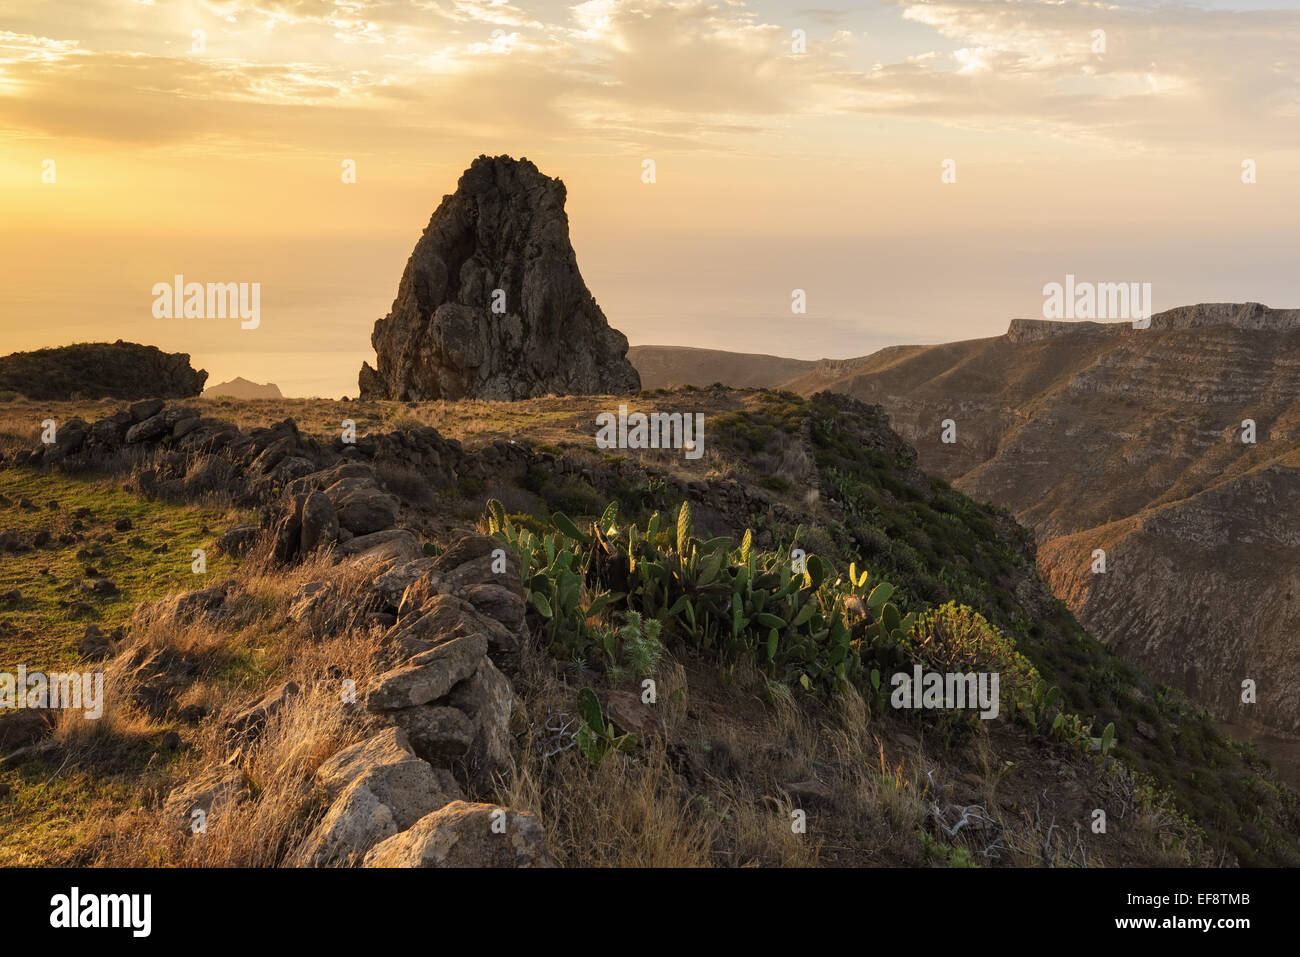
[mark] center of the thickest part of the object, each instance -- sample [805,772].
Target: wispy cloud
[692,73]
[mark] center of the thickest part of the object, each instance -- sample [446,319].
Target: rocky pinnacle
[492,305]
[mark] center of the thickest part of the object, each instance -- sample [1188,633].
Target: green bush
[800,623]
[955,638]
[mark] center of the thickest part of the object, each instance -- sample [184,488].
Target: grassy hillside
[936,546]
[773,680]
[942,546]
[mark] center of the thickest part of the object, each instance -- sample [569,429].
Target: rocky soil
[454,622]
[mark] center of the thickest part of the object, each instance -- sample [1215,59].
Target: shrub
[805,626]
[955,638]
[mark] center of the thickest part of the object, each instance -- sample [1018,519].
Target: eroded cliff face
[492,305]
[1131,441]
[1204,591]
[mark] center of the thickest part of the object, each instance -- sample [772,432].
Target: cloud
[1168,76]
[647,71]
[629,74]
[824,15]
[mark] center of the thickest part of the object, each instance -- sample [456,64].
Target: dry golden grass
[312,726]
[238,655]
[709,791]
[627,812]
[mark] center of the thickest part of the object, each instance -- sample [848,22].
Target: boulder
[319,481]
[392,584]
[438,734]
[468,548]
[489,700]
[192,605]
[71,436]
[288,469]
[378,787]
[145,409]
[445,616]
[287,529]
[430,675]
[320,523]
[239,539]
[363,510]
[390,547]
[150,428]
[472,560]
[316,604]
[111,430]
[390,750]
[439,618]
[270,456]
[499,602]
[352,825]
[466,835]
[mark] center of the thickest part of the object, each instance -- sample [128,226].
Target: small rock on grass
[466,835]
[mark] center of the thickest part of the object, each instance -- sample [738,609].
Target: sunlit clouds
[787,138]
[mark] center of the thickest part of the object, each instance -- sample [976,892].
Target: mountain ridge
[1100,435]
[241,388]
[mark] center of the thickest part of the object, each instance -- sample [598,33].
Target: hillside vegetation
[772,667]
[1172,449]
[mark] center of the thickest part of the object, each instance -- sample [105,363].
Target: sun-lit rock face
[492,305]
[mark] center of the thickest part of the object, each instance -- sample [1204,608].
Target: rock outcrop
[447,709]
[380,788]
[492,305]
[441,717]
[99,370]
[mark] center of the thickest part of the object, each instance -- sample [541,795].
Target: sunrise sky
[776,169]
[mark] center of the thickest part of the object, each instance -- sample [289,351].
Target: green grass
[43,629]
[47,811]
[761,429]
